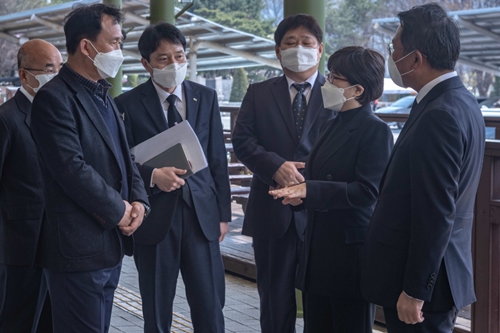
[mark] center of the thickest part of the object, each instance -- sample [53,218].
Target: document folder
[177,146]
[172,157]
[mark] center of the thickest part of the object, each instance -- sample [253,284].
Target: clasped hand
[132,218]
[291,185]
[410,309]
[167,179]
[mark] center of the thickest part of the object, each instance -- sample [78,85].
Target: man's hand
[410,309]
[127,218]
[224,228]
[167,178]
[137,215]
[292,195]
[288,174]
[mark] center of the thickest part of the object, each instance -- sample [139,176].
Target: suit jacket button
[433,275]
[328,177]
[429,286]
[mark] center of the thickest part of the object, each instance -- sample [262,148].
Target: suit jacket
[209,188]
[21,199]
[82,178]
[263,139]
[343,175]
[419,239]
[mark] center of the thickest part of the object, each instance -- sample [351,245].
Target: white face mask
[394,72]
[42,79]
[299,58]
[333,96]
[171,75]
[107,64]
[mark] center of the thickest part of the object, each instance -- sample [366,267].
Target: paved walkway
[242,301]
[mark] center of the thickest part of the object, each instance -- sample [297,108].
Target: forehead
[167,47]
[110,28]
[45,56]
[299,33]
[397,37]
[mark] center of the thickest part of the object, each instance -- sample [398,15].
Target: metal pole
[314,8]
[162,10]
[117,80]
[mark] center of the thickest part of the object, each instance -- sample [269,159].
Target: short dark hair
[85,21]
[155,33]
[431,31]
[362,66]
[296,21]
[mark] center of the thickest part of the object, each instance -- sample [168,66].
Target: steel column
[117,80]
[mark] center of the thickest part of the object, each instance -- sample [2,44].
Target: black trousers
[276,261]
[434,322]
[23,293]
[336,315]
[184,249]
[82,301]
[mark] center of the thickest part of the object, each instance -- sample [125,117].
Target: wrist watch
[147,209]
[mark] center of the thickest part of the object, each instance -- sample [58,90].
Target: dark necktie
[299,107]
[173,116]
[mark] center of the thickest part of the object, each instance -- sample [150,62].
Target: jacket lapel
[281,95]
[192,102]
[89,108]
[153,106]
[417,110]
[314,107]
[343,135]
[24,105]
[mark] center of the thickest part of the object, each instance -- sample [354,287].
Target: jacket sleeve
[57,132]
[371,160]
[217,162]
[145,171]
[435,159]
[246,145]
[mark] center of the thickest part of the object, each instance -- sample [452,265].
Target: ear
[419,59]
[23,76]
[278,52]
[320,50]
[359,90]
[85,47]
[144,63]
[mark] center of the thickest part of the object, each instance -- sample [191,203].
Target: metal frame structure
[210,45]
[479,36]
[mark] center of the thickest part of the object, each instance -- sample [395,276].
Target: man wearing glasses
[22,286]
[418,249]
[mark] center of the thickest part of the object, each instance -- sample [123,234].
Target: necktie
[173,116]
[299,107]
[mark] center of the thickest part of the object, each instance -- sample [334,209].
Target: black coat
[343,176]
[420,234]
[210,188]
[82,178]
[21,199]
[263,139]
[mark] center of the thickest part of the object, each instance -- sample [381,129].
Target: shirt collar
[428,87]
[99,88]
[27,94]
[311,80]
[162,94]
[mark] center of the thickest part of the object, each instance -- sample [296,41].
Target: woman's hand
[292,195]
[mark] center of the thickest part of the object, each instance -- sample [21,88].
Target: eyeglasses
[331,77]
[49,70]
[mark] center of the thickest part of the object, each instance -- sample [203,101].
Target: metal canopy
[479,36]
[210,45]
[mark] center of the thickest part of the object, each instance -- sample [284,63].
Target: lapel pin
[123,116]
[194,99]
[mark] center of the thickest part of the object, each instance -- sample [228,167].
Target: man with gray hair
[22,285]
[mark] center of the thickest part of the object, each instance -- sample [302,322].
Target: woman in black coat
[343,174]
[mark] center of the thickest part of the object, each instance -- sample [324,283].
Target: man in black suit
[277,126]
[94,195]
[189,217]
[22,285]
[419,262]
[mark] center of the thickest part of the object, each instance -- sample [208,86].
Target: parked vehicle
[402,105]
